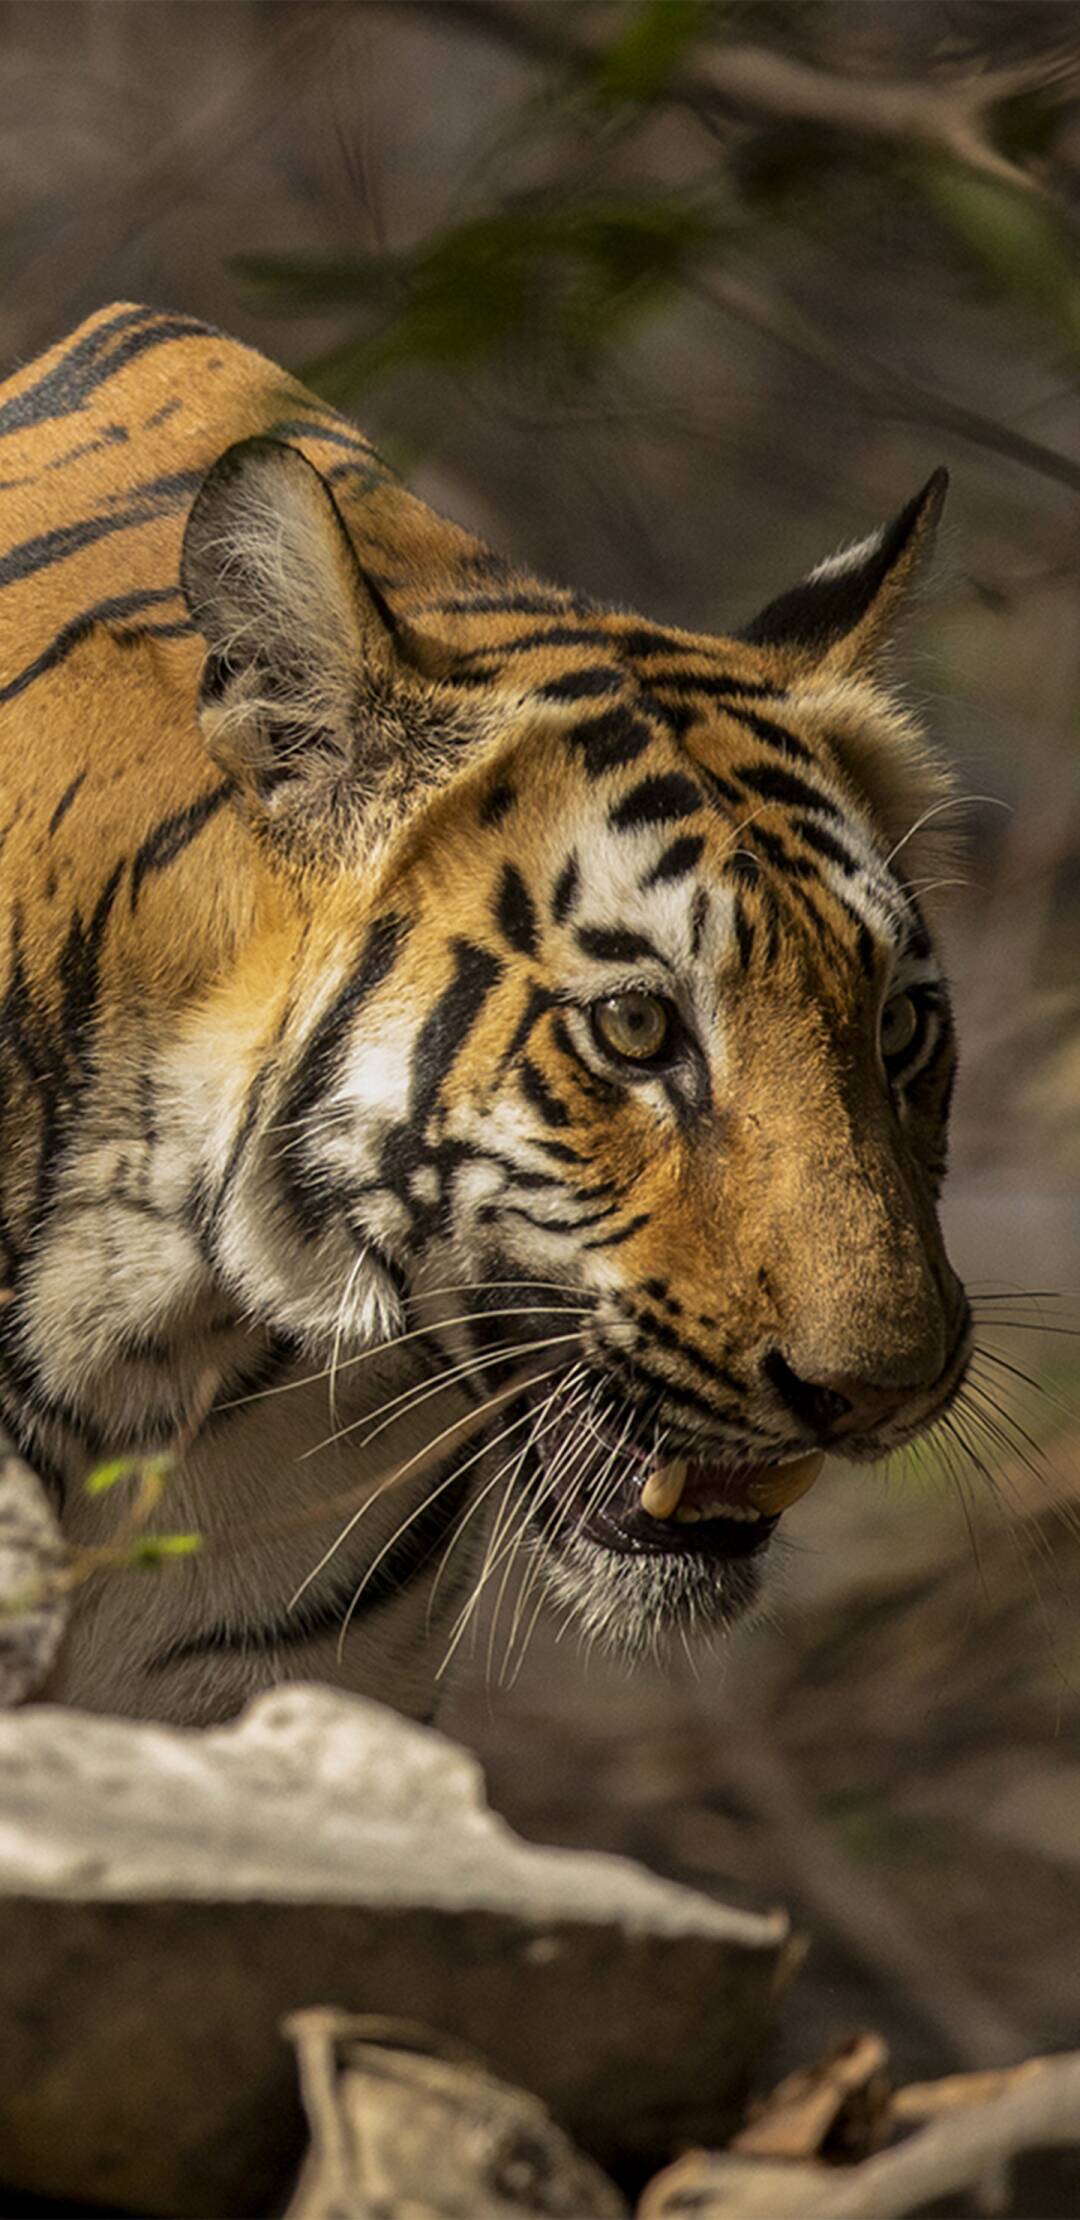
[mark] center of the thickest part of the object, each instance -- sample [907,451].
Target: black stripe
[773,735]
[825,844]
[539,1000]
[677,861]
[668,1337]
[624,1233]
[80,975]
[775,784]
[442,1035]
[918,941]
[600,678]
[132,634]
[556,1225]
[610,741]
[865,949]
[744,933]
[719,685]
[567,890]
[515,912]
[740,864]
[78,629]
[47,548]
[659,800]
[771,912]
[169,839]
[555,635]
[498,800]
[790,866]
[307,427]
[614,945]
[721,790]
[539,1096]
[699,911]
[65,802]
[111,435]
[554,604]
[559,1150]
[240,1141]
[642,1375]
[66,388]
[317,1068]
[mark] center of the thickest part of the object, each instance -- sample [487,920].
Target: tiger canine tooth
[663,1489]
[786,1483]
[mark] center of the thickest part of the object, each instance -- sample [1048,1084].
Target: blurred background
[669,300]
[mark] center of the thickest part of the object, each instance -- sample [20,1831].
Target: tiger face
[614,1015]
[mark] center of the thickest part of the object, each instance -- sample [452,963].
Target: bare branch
[949,115]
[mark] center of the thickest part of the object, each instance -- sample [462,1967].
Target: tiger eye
[899,1020]
[634,1025]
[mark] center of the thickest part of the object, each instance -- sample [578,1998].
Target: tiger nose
[836,1405]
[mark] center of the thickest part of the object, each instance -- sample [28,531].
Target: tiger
[474,1062]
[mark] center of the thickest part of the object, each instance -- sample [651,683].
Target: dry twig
[948,116]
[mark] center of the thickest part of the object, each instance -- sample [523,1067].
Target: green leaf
[156,1466]
[303,285]
[639,64]
[149,1549]
[107,1475]
[1016,241]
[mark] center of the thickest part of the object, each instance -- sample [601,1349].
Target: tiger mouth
[717,1507]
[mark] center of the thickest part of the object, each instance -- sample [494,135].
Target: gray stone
[168,1896]
[34,1605]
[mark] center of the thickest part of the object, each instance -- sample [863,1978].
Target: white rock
[33,1609]
[167,1896]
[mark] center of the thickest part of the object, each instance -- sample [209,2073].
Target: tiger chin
[474,1064]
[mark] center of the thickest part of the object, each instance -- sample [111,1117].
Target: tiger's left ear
[839,619]
[309,696]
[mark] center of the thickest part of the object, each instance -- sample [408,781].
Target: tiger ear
[840,617]
[299,643]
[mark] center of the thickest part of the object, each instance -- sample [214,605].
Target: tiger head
[612,1007]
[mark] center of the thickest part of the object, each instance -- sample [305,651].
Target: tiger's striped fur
[324,834]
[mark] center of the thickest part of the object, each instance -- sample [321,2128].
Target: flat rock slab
[168,1896]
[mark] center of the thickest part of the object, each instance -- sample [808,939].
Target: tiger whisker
[463,1427]
[562,1457]
[1026,1326]
[517,1459]
[952,801]
[483,1495]
[1028,1379]
[339,1330]
[1026,1539]
[484,1450]
[550,1531]
[1004,1428]
[468,1610]
[494,1555]
[421,1392]
[947,1450]
[415,1333]
[967,1420]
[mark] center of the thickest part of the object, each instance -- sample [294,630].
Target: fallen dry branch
[403,2124]
[980,2129]
[949,115]
[841,2101]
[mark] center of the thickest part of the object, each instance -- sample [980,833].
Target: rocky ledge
[168,1897]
